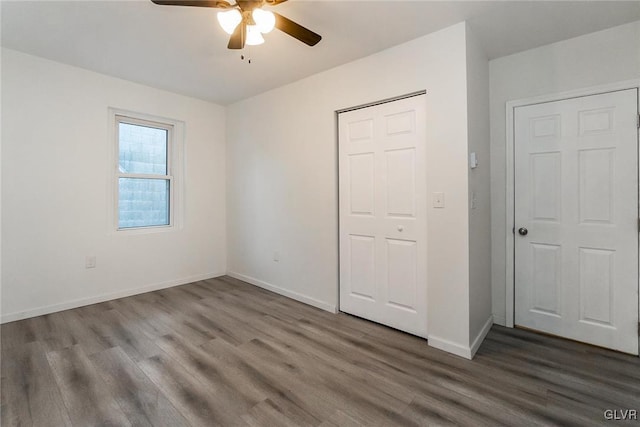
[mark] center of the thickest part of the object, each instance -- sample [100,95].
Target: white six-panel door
[576,219]
[382,184]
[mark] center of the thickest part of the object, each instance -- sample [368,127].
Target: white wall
[480,319]
[282,177]
[56,178]
[603,57]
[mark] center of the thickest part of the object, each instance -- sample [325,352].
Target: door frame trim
[510,173]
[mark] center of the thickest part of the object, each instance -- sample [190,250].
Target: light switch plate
[90,261]
[473,160]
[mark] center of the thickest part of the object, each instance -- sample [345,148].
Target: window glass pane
[142,149]
[143,202]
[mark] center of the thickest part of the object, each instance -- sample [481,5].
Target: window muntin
[144,181]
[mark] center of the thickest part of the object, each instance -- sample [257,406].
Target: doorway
[382,214]
[575,217]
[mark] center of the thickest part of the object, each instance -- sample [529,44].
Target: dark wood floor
[222,352]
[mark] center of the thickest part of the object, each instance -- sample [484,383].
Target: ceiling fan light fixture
[229,20]
[254,37]
[265,20]
[245,21]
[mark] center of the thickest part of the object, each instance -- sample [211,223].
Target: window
[144,180]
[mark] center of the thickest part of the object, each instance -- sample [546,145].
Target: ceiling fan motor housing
[248,5]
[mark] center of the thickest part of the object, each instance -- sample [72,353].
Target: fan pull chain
[245,54]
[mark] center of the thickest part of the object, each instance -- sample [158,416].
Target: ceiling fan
[246,21]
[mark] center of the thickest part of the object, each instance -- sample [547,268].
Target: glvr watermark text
[620,414]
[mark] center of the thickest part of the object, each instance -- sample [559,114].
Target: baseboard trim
[461,350]
[449,347]
[284,292]
[500,320]
[81,302]
[481,336]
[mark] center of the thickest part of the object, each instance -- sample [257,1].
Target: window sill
[146,230]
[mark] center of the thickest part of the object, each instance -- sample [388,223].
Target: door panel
[546,279]
[402,266]
[361,175]
[401,182]
[596,181]
[596,286]
[362,266]
[382,185]
[546,171]
[576,192]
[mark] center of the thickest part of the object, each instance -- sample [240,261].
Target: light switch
[473,160]
[438,200]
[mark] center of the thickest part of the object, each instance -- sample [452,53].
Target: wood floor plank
[292,357]
[15,334]
[341,419]
[85,394]
[29,391]
[583,414]
[428,410]
[201,405]
[245,311]
[224,380]
[145,316]
[177,321]
[127,335]
[291,393]
[140,399]
[269,413]
[595,389]
[589,366]
[220,325]
[52,331]
[84,331]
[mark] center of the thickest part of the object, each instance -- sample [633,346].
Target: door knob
[400,228]
[523,231]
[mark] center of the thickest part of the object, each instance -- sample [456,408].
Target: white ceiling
[182,49]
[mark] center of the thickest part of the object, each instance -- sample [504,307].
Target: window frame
[173,174]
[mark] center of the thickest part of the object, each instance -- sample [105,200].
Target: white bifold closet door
[576,218]
[382,183]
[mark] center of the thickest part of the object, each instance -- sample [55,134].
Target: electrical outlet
[438,200]
[90,261]
[276,256]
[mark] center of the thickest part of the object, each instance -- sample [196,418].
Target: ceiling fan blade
[296,30]
[219,4]
[238,37]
